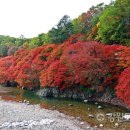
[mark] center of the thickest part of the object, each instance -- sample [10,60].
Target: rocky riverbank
[19,116]
[105,96]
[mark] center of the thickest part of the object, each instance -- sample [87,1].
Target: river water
[88,112]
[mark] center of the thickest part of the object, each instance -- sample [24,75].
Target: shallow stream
[93,113]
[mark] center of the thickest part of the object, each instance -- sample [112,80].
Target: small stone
[116,124]
[85,101]
[99,107]
[96,103]
[90,115]
[82,123]
[24,101]
[89,109]
[70,105]
[101,125]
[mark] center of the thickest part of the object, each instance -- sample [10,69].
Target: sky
[32,17]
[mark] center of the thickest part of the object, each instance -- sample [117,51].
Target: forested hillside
[108,24]
[91,52]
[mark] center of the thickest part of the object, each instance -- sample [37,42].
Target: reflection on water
[71,107]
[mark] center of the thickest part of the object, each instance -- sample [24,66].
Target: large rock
[67,93]
[55,92]
[46,92]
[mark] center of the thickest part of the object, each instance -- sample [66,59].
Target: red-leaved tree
[123,86]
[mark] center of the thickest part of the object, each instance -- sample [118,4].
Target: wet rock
[85,101]
[100,107]
[55,92]
[81,96]
[64,95]
[70,94]
[46,92]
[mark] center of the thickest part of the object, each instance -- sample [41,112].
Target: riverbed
[19,116]
[87,115]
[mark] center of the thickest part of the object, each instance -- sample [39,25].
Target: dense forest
[91,51]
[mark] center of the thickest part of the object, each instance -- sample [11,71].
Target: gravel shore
[19,116]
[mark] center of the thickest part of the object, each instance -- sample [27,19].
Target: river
[94,113]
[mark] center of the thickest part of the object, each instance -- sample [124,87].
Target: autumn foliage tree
[84,61]
[123,86]
[73,63]
[5,64]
